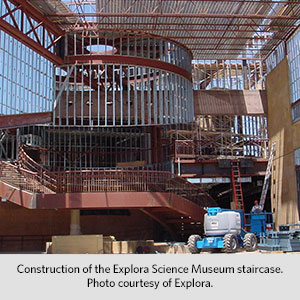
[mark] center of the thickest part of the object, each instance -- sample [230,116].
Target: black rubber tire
[216,250]
[250,242]
[230,243]
[191,244]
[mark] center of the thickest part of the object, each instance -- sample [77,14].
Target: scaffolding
[212,136]
[229,74]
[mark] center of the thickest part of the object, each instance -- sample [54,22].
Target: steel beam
[121,200]
[120,27]
[215,1]
[190,37]
[14,121]
[16,196]
[29,42]
[95,25]
[175,15]
[287,36]
[128,60]
[160,221]
[17,30]
[229,49]
[38,16]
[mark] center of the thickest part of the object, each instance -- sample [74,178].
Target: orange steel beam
[137,61]
[17,196]
[14,121]
[228,49]
[38,16]
[160,221]
[120,200]
[216,1]
[287,36]
[177,15]
[147,29]
[29,42]
[17,30]
[168,24]
[223,37]
[103,200]
[37,46]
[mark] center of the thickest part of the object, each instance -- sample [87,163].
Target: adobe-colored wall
[18,221]
[286,135]
[15,220]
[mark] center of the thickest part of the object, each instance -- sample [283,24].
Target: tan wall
[284,133]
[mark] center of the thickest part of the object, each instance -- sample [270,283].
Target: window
[276,57]
[297,163]
[26,78]
[293,48]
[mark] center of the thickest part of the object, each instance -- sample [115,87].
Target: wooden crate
[108,244]
[78,244]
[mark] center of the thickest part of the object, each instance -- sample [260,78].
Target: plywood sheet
[230,102]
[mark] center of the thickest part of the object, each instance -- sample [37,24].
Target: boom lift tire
[250,242]
[192,243]
[230,243]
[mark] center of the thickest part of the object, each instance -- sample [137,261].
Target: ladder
[237,185]
[267,178]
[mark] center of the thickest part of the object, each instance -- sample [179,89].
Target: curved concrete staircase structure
[169,199]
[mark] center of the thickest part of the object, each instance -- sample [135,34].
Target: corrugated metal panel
[206,35]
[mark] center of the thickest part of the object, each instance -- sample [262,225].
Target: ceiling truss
[211,29]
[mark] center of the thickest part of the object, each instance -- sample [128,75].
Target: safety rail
[129,181]
[21,178]
[268,216]
[29,163]
[184,149]
[103,181]
[26,162]
[207,148]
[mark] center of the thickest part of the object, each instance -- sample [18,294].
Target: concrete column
[75,222]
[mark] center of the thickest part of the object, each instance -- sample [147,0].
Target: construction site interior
[129,118]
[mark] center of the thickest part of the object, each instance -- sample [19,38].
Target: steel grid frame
[26,24]
[229,74]
[142,91]
[269,21]
[25,76]
[293,51]
[131,80]
[73,148]
[212,136]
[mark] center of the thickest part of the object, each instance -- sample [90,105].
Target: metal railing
[22,178]
[129,181]
[229,74]
[85,181]
[43,176]
[184,149]
[210,147]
